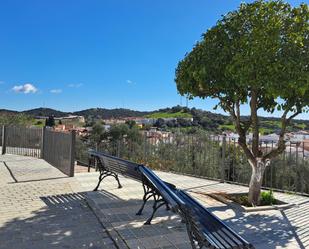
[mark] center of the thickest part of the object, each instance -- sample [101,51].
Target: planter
[223,197]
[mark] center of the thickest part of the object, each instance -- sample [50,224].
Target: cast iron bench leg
[157,204]
[105,174]
[101,177]
[145,199]
[116,176]
[148,193]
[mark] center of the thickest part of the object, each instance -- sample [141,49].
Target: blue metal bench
[112,166]
[162,193]
[205,230]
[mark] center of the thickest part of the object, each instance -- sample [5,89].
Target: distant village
[298,141]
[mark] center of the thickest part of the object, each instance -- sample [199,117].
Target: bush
[267,198]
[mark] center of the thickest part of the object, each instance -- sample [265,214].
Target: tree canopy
[257,55]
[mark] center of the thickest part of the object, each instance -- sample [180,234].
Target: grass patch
[179,114]
[229,127]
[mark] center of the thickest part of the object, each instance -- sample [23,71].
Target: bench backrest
[204,224]
[164,189]
[118,165]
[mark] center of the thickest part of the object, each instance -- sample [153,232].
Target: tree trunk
[258,168]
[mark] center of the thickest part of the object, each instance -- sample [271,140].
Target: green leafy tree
[117,132]
[50,121]
[97,133]
[257,56]
[130,123]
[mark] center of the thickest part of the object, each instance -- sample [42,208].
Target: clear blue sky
[78,54]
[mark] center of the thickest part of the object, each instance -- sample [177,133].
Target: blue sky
[72,55]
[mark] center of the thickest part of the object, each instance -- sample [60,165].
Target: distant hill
[45,112]
[209,121]
[4,111]
[93,112]
[110,113]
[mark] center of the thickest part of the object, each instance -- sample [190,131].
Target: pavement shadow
[121,210]
[65,222]
[263,229]
[166,229]
[298,217]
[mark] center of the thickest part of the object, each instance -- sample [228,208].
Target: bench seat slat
[209,221]
[211,240]
[212,221]
[227,239]
[235,238]
[230,242]
[220,237]
[216,239]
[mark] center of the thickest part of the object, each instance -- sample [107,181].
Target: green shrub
[267,198]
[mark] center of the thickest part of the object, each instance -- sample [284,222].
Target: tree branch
[241,131]
[255,123]
[281,143]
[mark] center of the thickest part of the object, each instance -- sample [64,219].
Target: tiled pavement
[117,208]
[43,209]
[27,169]
[265,229]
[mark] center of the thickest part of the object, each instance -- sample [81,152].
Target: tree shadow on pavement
[65,222]
[263,229]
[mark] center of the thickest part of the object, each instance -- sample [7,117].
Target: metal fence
[1,129]
[22,141]
[211,157]
[58,150]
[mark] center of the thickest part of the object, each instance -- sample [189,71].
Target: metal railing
[1,137]
[22,141]
[212,157]
[57,148]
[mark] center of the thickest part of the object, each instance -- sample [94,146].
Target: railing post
[118,148]
[72,152]
[223,158]
[42,156]
[145,149]
[3,139]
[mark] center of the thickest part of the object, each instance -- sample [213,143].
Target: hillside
[179,114]
[109,113]
[202,119]
[45,112]
[7,112]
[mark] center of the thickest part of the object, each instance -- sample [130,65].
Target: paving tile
[268,229]
[46,210]
[46,213]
